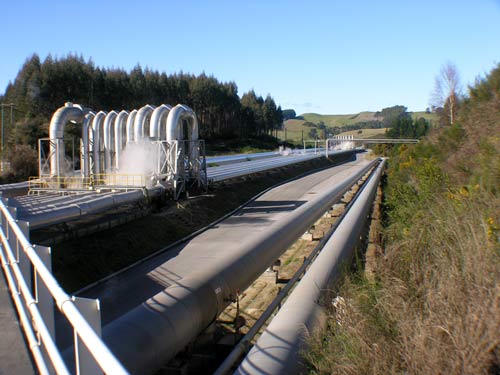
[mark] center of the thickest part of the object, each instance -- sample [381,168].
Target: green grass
[432,117]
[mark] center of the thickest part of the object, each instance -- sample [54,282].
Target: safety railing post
[42,294]
[91,311]
[24,262]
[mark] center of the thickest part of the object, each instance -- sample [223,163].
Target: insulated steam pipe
[189,304]
[158,117]
[85,152]
[140,121]
[174,125]
[175,132]
[278,349]
[97,140]
[75,210]
[108,141]
[70,112]
[130,126]
[119,130]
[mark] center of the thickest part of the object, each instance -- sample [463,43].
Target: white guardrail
[34,291]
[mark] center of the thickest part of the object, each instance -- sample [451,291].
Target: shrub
[24,162]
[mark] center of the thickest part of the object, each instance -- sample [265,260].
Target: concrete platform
[15,357]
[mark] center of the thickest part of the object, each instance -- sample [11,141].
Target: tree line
[43,86]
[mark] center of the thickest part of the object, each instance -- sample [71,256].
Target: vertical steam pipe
[173,119]
[85,154]
[130,126]
[159,115]
[119,127]
[108,142]
[194,153]
[140,121]
[70,112]
[96,144]
[175,133]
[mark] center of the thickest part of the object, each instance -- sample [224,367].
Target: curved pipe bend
[140,121]
[177,114]
[130,126]
[109,122]
[86,137]
[97,140]
[120,123]
[157,118]
[70,112]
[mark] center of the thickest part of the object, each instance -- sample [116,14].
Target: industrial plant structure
[149,147]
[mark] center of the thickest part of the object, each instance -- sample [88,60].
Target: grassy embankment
[433,306]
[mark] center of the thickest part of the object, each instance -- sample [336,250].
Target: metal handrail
[118,179]
[101,353]
[23,317]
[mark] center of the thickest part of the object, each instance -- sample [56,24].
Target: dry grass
[435,306]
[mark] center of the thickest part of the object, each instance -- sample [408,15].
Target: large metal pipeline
[130,126]
[158,118]
[85,152]
[97,144]
[103,139]
[174,123]
[140,121]
[119,130]
[152,333]
[108,139]
[175,132]
[70,112]
[14,190]
[278,349]
[80,208]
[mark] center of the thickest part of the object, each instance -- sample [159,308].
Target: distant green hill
[296,130]
[333,121]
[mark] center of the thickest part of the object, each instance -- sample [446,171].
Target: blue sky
[313,56]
